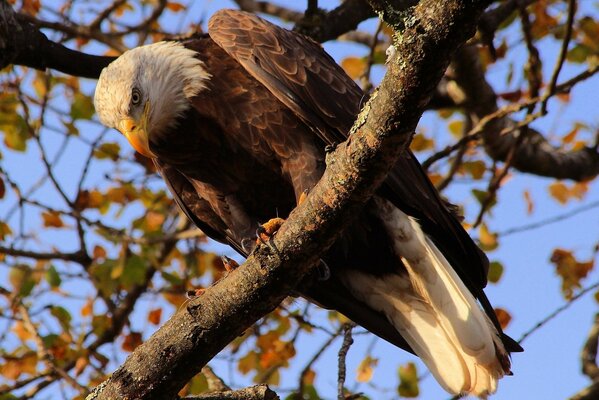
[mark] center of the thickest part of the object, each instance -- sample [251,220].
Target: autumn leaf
[562,193]
[503,317]
[22,333]
[421,143]
[366,369]
[476,169]
[488,241]
[108,150]
[570,270]
[408,381]
[155,315]
[495,271]
[132,340]
[174,6]
[52,219]
[82,107]
[355,67]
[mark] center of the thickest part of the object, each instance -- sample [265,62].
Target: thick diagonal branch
[163,364]
[21,43]
[535,155]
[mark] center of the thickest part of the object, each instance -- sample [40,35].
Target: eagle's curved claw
[324,272]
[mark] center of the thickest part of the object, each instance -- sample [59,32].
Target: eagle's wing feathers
[296,69]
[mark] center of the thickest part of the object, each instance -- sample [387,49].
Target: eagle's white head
[142,92]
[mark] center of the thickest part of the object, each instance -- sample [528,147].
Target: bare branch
[536,155]
[259,392]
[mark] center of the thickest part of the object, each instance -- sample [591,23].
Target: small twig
[558,311]
[315,357]
[562,55]
[550,220]
[347,342]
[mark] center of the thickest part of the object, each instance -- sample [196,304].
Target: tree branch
[535,155]
[258,392]
[355,169]
[21,43]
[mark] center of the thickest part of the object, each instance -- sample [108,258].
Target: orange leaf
[80,365]
[21,332]
[174,6]
[52,219]
[99,252]
[366,369]
[155,315]
[560,192]
[570,270]
[503,317]
[355,67]
[131,341]
[87,308]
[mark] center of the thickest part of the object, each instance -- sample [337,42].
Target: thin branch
[548,221]
[558,311]
[341,368]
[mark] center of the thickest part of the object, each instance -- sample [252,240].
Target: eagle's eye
[135,97]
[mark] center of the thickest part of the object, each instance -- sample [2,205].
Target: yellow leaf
[52,219]
[154,220]
[488,240]
[366,369]
[570,270]
[421,143]
[21,332]
[408,381]
[560,192]
[355,67]
[456,128]
[475,168]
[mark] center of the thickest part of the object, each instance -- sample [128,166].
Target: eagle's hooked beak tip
[136,134]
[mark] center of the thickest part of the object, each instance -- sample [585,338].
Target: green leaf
[63,317]
[134,272]
[52,277]
[15,131]
[107,150]
[495,271]
[82,107]
[408,381]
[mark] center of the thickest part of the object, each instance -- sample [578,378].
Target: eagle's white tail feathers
[433,310]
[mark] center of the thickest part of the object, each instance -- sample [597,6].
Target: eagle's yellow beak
[136,132]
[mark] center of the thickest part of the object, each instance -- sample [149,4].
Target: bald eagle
[237,122]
